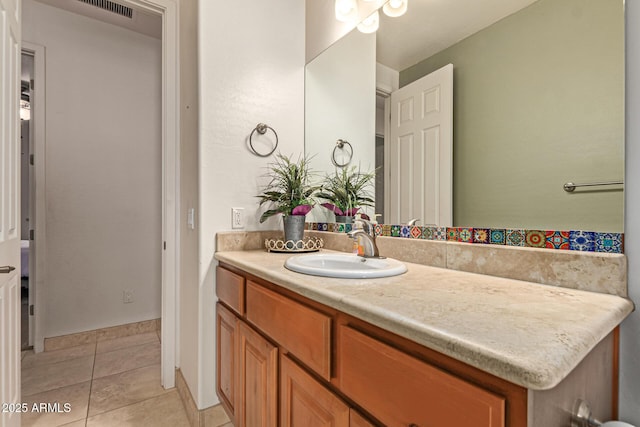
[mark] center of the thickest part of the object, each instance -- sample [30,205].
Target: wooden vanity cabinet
[288,361]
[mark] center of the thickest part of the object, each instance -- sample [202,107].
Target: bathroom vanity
[432,347]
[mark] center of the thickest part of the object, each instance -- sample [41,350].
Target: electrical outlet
[237,217]
[127,296]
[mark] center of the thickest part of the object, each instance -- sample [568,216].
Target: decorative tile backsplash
[574,240]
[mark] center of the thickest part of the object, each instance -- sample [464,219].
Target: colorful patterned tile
[514,237]
[609,242]
[453,234]
[440,233]
[497,236]
[535,239]
[427,233]
[582,241]
[550,239]
[481,235]
[557,239]
[465,235]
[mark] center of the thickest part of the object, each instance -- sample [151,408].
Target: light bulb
[395,8]
[346,10]
[370,24]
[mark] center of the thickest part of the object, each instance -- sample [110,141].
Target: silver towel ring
[261,128]
[340,144]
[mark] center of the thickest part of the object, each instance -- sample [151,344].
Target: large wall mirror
[538,101]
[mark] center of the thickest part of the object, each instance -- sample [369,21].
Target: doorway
[169,207]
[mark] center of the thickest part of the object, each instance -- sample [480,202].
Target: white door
[420,151]
[9,211]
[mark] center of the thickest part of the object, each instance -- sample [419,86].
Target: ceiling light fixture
[370,24]
[395,8]
[346,10]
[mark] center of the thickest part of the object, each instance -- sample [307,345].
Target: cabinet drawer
[304,332]
[230,289]
[401,390]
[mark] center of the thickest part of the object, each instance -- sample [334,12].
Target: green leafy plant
[289,190]
[347,190]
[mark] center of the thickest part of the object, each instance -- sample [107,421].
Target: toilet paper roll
[616,424]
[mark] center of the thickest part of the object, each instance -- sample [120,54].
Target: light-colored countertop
[530,334]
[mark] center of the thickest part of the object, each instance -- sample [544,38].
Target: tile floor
[109,383]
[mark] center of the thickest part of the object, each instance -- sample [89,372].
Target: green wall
[539,101]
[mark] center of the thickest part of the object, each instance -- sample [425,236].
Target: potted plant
[346,192]
[290,194]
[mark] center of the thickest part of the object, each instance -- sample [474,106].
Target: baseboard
[96,335]
[213,416]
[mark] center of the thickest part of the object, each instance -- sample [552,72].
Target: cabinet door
[304,402]
[256,405]
[226,363]
[400,390]
[357,420]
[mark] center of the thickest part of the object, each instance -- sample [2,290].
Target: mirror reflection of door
[420,151]
[26,199]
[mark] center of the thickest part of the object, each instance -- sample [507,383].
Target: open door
[9,210]
[420,154]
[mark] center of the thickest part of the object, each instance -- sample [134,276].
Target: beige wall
[103,171]
[531,113]
[187,318]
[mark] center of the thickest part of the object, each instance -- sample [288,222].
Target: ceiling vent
[111,7]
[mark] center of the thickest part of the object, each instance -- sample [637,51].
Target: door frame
[170,183]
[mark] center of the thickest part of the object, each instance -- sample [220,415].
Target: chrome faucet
[369,233]
[413,221]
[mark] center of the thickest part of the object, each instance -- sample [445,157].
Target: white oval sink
[346,266]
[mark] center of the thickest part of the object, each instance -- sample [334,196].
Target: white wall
[251,66]
[340,102]
[630,333]
[103,176]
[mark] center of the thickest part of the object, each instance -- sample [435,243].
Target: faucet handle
[367,226]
